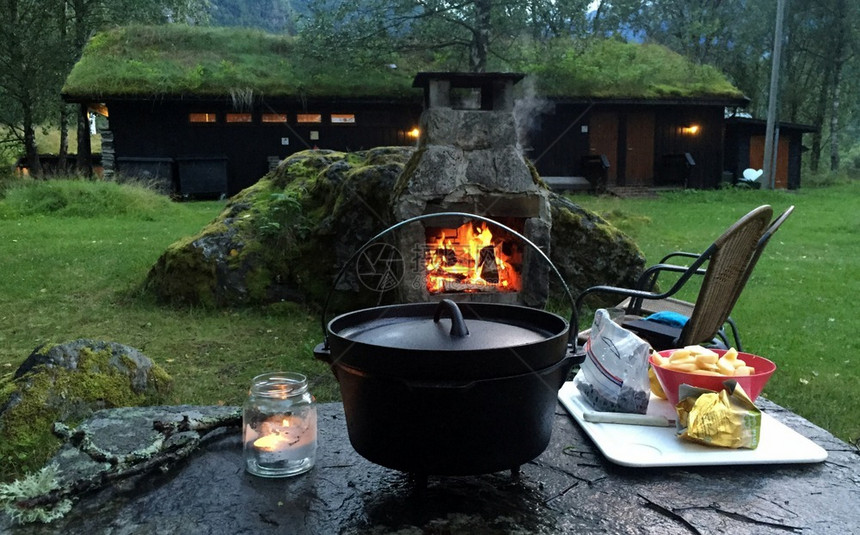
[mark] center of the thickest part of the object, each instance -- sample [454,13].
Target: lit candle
[280,426]
[286,438]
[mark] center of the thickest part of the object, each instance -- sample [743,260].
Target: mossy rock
[284,237]
[66,383]
[588,250]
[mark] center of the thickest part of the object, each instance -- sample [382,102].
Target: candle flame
[273,442]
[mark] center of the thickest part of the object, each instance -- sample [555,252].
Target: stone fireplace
[468,161]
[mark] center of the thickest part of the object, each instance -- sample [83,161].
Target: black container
[450,427]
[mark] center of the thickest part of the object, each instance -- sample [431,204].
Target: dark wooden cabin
[745,149]
[216,127]
[634,143]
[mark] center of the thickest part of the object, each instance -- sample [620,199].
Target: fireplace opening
[473,258]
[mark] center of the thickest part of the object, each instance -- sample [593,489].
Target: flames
[470,262]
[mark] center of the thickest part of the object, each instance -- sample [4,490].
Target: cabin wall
[554,140]
[694,130]
[646,145]
[745,149]
[231,156]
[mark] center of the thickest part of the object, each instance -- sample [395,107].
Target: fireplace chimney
[468,161]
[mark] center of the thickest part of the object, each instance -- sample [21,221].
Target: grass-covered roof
[610,69]
[178,60]
[183,60]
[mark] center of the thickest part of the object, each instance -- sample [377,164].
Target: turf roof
[610,69]
[178,60]
[183,61]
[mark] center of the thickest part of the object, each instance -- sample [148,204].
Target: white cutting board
[644,446]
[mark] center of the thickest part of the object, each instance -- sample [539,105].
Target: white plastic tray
[645,446]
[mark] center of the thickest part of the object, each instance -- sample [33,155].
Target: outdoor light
[414,133]
[690,130]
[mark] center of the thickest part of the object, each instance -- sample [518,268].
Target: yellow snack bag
[726,418]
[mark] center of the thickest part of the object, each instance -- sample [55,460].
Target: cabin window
[343,118]
[274,117]
[309,118]
[238,117]
[201,117]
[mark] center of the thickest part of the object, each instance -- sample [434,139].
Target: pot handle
[458,324]
[574,319]
[323,353]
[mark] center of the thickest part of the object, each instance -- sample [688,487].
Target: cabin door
[757,159]
[603,139]
[639,168]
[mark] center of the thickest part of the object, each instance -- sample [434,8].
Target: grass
[48,142]
[176,59]
[71,268]
[71,272]
[605,68]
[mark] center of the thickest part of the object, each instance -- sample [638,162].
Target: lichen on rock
[66,383]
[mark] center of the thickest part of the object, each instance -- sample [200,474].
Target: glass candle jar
[279,422]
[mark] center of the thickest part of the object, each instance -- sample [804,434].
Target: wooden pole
[769,149]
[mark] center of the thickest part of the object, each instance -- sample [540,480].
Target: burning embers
[471,258]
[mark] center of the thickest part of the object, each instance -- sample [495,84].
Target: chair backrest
[762,243]
[731,259]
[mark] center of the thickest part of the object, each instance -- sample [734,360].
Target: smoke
[528,110]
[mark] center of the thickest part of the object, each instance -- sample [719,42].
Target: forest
[818,69]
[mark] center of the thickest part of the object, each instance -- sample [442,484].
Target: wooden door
[639,168]
[757,159]
[603,139]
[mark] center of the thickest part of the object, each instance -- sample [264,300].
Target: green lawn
[67,274]
[69,277]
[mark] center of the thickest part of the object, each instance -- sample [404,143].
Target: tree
[276,16]
[466,33]
[28,72]
[822,44]
[41,41]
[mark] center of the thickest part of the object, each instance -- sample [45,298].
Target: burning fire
[470,263]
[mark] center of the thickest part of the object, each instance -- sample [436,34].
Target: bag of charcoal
[614,375]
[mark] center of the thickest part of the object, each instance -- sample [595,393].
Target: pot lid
[445,327]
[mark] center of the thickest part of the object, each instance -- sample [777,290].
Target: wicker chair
[729,262]
[643,307]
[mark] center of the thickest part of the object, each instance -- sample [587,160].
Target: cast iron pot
[448,389]
[424,399]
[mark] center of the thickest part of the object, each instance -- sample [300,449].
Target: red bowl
[753,384]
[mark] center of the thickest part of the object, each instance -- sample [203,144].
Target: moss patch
[175,59]
[612,258]
[30,404]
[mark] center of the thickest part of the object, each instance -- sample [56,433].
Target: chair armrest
[626,292]
[638,294]
[678,253]
[648,279]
